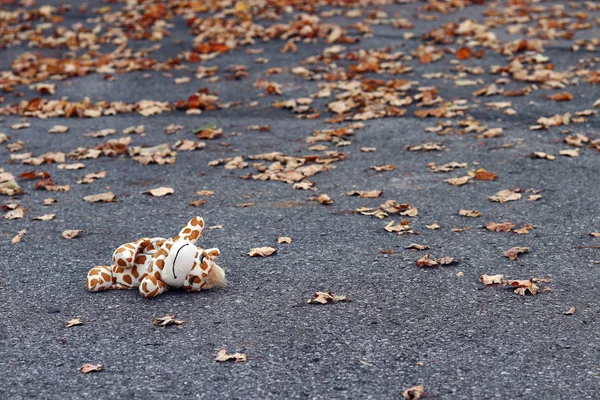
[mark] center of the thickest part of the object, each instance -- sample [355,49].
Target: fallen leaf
[433,226]
[46,217]
[513,252]
[382,168]
[571,311]
[426,261]
[17,213]
[197,203]
[167,320]
[284,239]
[102,197]
[534,197]
[58,129]
[562,96]
[499,227]
[71,233]
[414,392]
[368,149]
[595,234]
[49,201]
[242,205]
[542,155]
[73,322]
[469,213]
[327,297]
[569,153]
[458,181]
[483,175]
[87,368]
[222,356]
[71,166]
[261,251]
[416,246]
[18,236]
[161,191]
[325,199]
[365,194]
[491,279]
[460,273]
[505,195]
[461,229]
[524,230]
[205,193]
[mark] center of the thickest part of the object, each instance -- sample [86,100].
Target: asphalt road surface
[437,326]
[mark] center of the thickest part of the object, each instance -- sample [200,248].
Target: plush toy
[156,265]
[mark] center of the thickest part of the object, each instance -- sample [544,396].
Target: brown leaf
[433,226]
[46,217]
[243,205]
[562,96]
[18,236]
[261,251]
[505,195]
[71,233]
[463,180]
[49,201]
[71,166]
[426,261]
[102,198]
[413,393]
[167,320]
[595,234]
[73,322]
[491,279]
[284,239]
[160,192]
[325,199]
[499,227]
[365,194]
[197,203]
[483,175]
[416,246]
[569,153]
[513,252]
[222,356]
[205,193]
[87,368]
[58,129]
[327,297]
[381,168]
[524,230]
[17,213]
[469,213]
[542,155]
[571,311]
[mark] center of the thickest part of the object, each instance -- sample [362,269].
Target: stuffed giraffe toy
[156,265]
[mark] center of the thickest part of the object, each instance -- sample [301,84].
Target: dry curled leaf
[505,195]
[71,233]
[484,175]
[513,252]
[491,279]
[562,96]
[365,194]
[433,226]
[100,198]
[381,168]
[161,191]
[58,129]
[243,205]
[414,392]
[499,227]
[222,356]
[463,180]
[284,239]
[325,199]
[45,217]
[416,246]
[49,201]
[167,320]
[570,311]
[87,368]
[18,236]
[197,203]
[261,251]
[469,213]
[327,297]
[73,322]
[205,193]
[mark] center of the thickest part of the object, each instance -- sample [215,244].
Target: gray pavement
[405,325]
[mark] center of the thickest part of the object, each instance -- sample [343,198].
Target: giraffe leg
[192,231]
[152,287]
[99,278]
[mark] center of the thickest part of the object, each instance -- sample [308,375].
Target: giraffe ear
[212,253]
